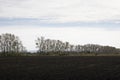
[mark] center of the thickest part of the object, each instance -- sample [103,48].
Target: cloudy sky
[76,21]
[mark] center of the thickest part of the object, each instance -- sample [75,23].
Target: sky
[76,21]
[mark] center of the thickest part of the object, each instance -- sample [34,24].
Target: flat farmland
[60,68]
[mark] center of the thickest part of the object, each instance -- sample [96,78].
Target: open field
[60,68]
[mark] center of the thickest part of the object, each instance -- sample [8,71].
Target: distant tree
[40,44]
[67,45]
[9,43]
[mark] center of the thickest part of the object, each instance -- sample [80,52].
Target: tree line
[12,45]
[48,45]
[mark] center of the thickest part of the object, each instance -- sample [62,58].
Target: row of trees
[9,43]
[48,45]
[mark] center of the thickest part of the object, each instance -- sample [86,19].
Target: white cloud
[75,35]
[62,10]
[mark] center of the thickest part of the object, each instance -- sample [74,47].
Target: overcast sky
[76,21]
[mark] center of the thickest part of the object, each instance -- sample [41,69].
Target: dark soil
[60,68]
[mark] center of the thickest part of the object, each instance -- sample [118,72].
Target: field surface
[60,68]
